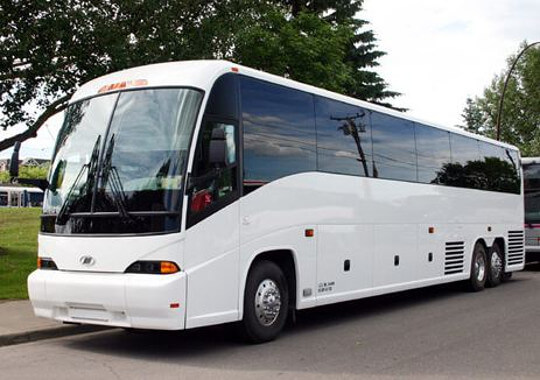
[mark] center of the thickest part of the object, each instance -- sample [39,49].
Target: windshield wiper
[110,175]
[91,167]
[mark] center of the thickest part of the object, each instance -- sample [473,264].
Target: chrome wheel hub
[480,268]
[496,265]
[267,302]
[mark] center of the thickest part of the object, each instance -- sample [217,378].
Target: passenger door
[212,236]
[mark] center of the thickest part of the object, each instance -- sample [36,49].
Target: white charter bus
[531,187]
[196,193]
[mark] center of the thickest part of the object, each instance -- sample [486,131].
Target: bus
[196,193]
[18,196]
[531,186]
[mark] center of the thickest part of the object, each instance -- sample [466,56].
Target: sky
[439,52]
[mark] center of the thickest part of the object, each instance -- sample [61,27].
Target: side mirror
[217,154]
[14,163]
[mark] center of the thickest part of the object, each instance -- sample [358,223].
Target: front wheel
[266,302]
[479,268]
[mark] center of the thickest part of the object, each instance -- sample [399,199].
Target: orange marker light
[310,232]
[431,230]
[168,268]
[39,263]
[124,84]
[234,69]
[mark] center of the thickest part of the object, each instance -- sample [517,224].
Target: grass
[18,249]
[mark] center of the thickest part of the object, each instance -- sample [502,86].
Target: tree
[26,171]
[520,122]
[50,48]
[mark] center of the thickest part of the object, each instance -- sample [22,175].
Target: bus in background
[18,196]
[531,187]
[189,194]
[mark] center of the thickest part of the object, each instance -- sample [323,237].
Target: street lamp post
[501,100]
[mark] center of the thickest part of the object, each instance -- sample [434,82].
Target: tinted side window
[465,169]
[279,132]
[223,100]
[464,149]
[394,152]
[512,183]
[343,138]
[433,153]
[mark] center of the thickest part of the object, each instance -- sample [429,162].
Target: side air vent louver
[516,244]
[454,257]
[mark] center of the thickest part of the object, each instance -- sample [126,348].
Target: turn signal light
[153,267]
[46,263]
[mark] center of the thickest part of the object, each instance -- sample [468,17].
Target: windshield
[531,178]
[119,163]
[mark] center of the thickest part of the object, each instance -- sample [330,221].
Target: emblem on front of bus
[87,260]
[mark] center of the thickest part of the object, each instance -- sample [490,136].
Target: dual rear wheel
[487,267]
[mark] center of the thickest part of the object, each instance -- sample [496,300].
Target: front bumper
[110,299]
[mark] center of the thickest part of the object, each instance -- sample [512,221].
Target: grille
[454,257]
[516,252]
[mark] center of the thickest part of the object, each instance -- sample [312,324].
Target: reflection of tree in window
[491,174]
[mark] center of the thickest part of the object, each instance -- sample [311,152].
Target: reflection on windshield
[78,139]
[115,170]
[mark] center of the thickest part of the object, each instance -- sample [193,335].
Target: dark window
[512,183]
[531,179]
[279,132]
[213,183]
[223,100]
[433,153]
[394,150]
[465,169]
[464,149]
[343,138]
[493,168]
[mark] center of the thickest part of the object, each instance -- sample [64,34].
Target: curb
[55,332]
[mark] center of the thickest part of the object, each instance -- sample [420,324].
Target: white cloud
[441,52]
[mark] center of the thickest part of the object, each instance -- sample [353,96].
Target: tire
[479,268]
[496,266]
[266,283]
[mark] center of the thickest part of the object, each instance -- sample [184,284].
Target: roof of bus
[202,74]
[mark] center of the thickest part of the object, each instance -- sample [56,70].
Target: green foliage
[520,122]
[33,172]
[4,177]
[51,47]
[18,249]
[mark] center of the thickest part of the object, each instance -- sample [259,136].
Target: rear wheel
[496,266]
[479,268]
[266,302]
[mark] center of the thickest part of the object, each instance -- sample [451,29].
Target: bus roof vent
[454,257]
[516,244]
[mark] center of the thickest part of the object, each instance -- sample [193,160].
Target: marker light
[153,267]
[46,263]
[122,85]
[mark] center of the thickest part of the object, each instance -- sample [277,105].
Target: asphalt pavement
[437,332]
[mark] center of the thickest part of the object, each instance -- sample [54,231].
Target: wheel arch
[286,259]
